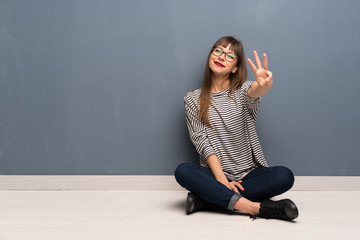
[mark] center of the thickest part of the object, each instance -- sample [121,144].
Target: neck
[219,83]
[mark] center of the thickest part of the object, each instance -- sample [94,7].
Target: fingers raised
[257,59]
[265,62]
[253,67]
[258,62]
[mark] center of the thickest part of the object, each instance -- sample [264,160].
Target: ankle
[255,208]
[248,206]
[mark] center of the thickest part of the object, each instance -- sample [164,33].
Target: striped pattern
[233,138]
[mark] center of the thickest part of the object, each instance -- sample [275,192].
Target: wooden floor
[156,214]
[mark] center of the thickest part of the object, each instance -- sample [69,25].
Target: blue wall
[97,87]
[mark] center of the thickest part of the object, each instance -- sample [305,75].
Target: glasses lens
[218,51]
[230,57]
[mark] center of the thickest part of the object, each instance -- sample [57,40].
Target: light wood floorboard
[159,214]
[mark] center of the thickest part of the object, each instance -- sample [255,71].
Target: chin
[218,71]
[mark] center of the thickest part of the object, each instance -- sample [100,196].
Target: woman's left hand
[262,74]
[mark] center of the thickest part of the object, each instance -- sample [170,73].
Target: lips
[218,64]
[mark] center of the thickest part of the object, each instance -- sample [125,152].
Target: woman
[221,116]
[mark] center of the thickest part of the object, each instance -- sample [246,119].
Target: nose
[222,56]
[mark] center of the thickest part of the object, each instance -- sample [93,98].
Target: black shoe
[194,204]
[283,209]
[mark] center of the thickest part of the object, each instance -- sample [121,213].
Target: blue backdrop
[97,86]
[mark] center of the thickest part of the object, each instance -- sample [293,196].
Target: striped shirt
[233,137]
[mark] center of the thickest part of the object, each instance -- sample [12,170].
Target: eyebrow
[223,49]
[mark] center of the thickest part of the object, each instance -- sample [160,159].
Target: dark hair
[236,79]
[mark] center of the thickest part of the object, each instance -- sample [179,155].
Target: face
[219,65]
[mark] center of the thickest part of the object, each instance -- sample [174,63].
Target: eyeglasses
[228,55]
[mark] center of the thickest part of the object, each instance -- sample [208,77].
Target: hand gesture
[262,75]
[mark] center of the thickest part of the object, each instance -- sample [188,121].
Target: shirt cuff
[252,102]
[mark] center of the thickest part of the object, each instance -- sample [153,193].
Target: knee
[285,177]
[181,171]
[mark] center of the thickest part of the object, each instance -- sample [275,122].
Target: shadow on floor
[181,204]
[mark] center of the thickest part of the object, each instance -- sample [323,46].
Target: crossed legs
[260,184]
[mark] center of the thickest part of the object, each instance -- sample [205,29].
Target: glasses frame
[226,54]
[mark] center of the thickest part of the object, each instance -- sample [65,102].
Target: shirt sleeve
[196,128]
[253,104]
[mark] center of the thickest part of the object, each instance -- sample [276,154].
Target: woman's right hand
[234,185]
[216,169]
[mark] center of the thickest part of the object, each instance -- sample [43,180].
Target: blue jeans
[260,184]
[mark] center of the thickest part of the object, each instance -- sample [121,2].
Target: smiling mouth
[218,64]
